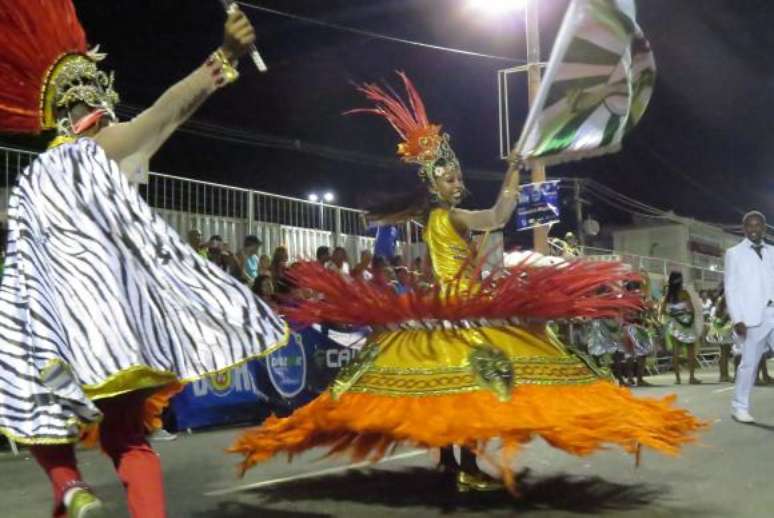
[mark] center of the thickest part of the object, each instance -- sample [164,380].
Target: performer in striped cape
[102,305]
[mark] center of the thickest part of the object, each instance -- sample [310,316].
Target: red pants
[122,436]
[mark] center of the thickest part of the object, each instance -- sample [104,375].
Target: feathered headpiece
[45,65]
[423,143]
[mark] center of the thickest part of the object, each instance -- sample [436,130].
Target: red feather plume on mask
[34,34]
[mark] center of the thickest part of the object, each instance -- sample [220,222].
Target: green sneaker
[85,505]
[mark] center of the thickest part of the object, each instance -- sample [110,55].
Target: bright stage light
[494,7]
[328,197]
[313,198]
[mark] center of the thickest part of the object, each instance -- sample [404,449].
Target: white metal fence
[300,225]
[703,278]
[12,162]
[234,212]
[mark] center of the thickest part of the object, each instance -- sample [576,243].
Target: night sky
[704,148]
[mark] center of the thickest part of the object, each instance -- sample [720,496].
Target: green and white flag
[596,87]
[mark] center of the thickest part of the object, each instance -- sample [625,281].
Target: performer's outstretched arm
[150,129]
[495,217]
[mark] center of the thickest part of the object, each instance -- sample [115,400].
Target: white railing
[234,212]
[12,162]
[300,225]
[704,277]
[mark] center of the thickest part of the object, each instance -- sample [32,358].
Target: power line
[261,140]
[601,192]
[634,207]
[625,203]
[695,184]
[593,188]
[618,205]
[379,36]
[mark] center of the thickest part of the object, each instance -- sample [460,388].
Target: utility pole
[579,213]
[540,234]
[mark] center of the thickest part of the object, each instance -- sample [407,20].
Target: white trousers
[755,344]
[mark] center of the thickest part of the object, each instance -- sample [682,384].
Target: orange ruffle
[155,405]
[577,419]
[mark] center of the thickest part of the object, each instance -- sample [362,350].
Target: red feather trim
[34,34]
[571,290]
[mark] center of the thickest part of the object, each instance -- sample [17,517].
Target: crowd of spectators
[267,275]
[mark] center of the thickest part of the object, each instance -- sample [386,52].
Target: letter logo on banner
[221,383]
[337,358]
[287,367]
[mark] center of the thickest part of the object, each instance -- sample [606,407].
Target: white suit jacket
[745,290]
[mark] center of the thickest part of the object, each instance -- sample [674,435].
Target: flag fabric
[386,240]
[597,85]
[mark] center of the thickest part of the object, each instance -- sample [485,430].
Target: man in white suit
[749,289]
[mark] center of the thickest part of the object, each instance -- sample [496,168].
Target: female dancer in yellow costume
[469,361]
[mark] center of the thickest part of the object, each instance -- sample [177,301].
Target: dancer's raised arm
[495,217]
[144,135]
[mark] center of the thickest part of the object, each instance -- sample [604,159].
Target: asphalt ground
[728,473]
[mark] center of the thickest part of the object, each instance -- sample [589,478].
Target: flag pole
[540,234]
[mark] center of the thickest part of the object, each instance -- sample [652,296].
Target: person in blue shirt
[247,259]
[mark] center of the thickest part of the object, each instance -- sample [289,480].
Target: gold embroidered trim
[354,370]
[521,360]
[427,382]
[31,441]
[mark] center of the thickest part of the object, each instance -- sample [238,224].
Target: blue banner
[538,205]
[230,397]
[288,378]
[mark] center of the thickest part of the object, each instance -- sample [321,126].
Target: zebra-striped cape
[100,297]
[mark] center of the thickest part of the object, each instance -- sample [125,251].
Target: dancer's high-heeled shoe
[477,482]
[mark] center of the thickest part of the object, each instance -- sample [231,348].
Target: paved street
[728,474]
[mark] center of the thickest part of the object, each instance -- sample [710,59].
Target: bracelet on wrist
[223,71]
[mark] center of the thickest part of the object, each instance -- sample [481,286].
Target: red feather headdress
[45,64]
[423,143]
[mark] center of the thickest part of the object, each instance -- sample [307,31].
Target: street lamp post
[327,197]
[532,21]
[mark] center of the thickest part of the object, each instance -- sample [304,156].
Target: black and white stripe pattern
[95,284]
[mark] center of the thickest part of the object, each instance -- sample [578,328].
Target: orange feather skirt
[432,377]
